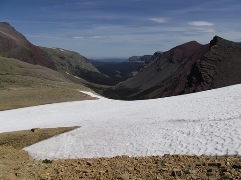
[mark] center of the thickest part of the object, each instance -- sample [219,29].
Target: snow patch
[74,76]
[200,123]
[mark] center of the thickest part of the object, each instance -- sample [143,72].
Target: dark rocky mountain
[139,58]
[188,68]
[15,45]
[220,67]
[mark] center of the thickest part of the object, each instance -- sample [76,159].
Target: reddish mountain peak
[191,43]
[4,23]
[9,32]
[6,26]
[14,45]
[184,50]
[189,46]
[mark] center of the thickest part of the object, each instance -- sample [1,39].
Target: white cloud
[200,30]
[98,37]
[158,20]
[200,23]
[78,37]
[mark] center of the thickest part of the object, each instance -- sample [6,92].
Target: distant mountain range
[139,58]
[188,68]
[108,60]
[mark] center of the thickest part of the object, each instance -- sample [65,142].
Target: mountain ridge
[187,68]
[221,66]
[15,45]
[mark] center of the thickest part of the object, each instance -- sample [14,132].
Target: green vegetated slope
[70,62]
[23,84]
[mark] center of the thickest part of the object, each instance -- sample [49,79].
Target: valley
[171,115]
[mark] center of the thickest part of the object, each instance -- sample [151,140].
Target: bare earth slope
[161,72]
[163,66]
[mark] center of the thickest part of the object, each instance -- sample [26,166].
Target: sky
[120,29]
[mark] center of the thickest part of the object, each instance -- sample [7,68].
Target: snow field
[201,123]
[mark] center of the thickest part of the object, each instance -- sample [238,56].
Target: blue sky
[111,28]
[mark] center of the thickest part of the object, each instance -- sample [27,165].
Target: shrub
[47,161]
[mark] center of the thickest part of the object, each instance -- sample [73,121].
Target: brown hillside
[162,75]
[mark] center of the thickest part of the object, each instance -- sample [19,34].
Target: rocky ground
[16,164]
